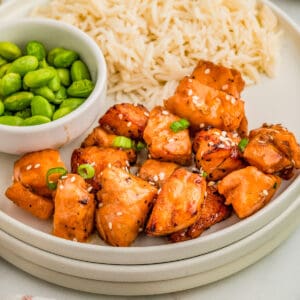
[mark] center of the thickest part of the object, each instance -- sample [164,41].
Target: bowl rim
[100,80]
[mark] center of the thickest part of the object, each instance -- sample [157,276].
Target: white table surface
[275,277]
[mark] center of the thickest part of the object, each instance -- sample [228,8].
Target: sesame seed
[119,213]
[221,146]
[171,140]
[205,194]
[109,165]
[120,116]
[93,164]
[90,188]
[127,163]
[73,178]
[202,125]
[64,177]
[225,87]
[207,71]
[61,187]
[158,191]
[140,229]
[110,225]
[195,98]
[293,162]
[190,80]
[165,112]
[74,240]
[224,133]
[100,205]
[211,143]
[155,178]
[135,104]
[228,97]
[265,192]
[151,182]
[146,114]
[235,135]
[211,183]
[129,124]
[216,132]
[233,100]
[190,92]
[28,167]
[37,165]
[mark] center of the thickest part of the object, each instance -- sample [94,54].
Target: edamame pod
[18,101]
[40,106]
[61,112]
[45,92]
[10,83]
[11,120]
[9,51]
[38,78]
[36,49]
[79,71]
[80,88]
[23,65]
[35,120]
[65,58]
[72,102]
[64,76]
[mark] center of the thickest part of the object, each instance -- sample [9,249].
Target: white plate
[156,278]
[272,101]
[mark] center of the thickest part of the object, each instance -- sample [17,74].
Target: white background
[275,277]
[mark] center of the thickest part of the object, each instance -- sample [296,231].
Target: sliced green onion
[86,171]
[59,171]
[204,174]
[123,142]
[275,186]
[140,146]
[242,144]
[179,125]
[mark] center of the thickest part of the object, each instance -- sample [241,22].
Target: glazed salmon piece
[213,210]
[31,170]
[99,158]
[248,190]
[163,143]
[125,201]
[273,149]
[217,152]
[219,78]
[204,106]
[178,204]
[101,138]
[125,119]
[39,206]
[74,209]
[157,171]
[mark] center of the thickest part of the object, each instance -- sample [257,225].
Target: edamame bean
[23,65]
[35,120]
[80,88]
[9,51]
[64,76]
[40,106]
[72,103]
[25,113]
[3,69]
[38,78]
[18,101]
[11,120]
[60,95]
[54,83]
[10,83]
[43,63]
[2,108]
[79,71]
[45,92]
[36,49]
[52,53]
[61,112]
[64,59]
[2,61]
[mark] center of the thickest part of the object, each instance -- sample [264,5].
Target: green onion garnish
[242,144]
[60,171]
[140,145]
[275,186]
[180,125]
[123,142]
[204,174]
[86,171]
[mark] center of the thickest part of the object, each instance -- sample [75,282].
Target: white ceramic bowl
[19,139]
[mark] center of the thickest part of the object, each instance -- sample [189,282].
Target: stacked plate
[152,265]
